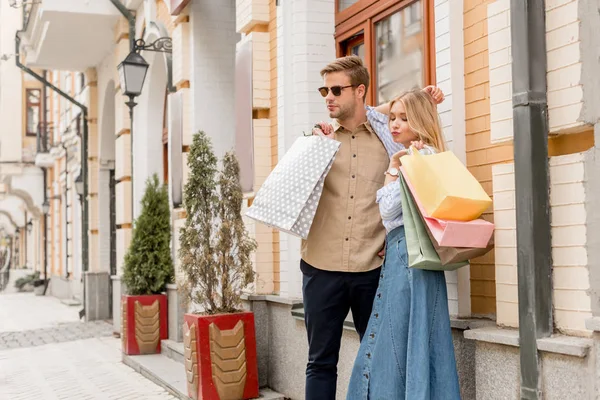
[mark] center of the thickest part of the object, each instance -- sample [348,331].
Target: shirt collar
[336,126]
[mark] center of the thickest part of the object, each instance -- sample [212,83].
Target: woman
[407,351]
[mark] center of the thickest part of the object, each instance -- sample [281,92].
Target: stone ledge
[272,298]
[455,323]
[558,344]
[495,335]
[567,345]
[593,324]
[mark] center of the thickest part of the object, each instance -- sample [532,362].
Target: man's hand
[382,252]
[435,92]
[324,129]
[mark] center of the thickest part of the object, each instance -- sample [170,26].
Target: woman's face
[401,132]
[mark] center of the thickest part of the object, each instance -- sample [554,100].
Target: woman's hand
[324,129]
[395,158]
[418,144]
[435,92]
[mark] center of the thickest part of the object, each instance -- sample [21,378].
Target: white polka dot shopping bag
[289,197]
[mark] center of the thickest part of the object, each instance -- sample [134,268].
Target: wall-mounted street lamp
[29,226]
[79,186]
[46,207]
[132,74]
[22,3]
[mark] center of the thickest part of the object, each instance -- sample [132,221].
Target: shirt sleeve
[390,201]
[379,123]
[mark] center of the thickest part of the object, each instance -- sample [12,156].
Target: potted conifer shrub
[147,269]
[215,253]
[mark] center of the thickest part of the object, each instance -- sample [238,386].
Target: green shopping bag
[421,253]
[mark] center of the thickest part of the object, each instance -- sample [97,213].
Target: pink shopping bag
[475,233]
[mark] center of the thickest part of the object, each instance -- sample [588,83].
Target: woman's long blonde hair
[423,118]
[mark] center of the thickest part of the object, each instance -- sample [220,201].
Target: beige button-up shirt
[347,232]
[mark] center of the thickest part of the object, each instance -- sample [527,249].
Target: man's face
[344,106]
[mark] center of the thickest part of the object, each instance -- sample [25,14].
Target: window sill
[558,344]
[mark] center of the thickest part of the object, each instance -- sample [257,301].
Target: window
[399,42]
[343,4]
[394,39]
[165,138]
[33,110]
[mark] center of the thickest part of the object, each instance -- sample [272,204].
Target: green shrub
[148,266]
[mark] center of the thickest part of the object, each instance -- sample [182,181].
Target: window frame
[363,16]
[30,104]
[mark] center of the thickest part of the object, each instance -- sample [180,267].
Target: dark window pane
[399,52]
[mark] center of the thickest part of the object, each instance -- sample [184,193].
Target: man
[341,258]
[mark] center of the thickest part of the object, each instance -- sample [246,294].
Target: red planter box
[220,356]
[144,323]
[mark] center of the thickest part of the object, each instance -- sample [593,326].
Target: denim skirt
[407,351]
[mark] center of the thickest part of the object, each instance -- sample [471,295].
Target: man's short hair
[353,67]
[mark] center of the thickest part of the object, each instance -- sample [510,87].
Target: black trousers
[328,296]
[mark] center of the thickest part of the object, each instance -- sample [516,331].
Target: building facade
[246,72]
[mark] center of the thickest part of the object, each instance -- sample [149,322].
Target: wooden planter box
[220,356]
[143,323]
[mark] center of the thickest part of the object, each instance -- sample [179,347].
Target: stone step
[71,302]
[172,349]
[167,371]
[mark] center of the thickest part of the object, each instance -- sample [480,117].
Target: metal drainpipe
[84,158]
[45,173]
[534,249]
[66,210]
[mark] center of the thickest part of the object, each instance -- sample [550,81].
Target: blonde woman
[407,351]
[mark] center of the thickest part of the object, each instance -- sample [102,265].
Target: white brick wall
[572,304]
[250,13]
[187,116]
[123,239]
[103,236]
[261,68]
[565,94]
[123,156]
[500,64]
[123,202]
[305,44]
[450,78]
[213,65]
[181,53]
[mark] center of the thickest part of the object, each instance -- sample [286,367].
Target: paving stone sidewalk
[77,370]
[62,333]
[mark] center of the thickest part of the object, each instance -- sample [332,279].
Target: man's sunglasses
[336,90]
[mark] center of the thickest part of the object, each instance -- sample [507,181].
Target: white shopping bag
[289,197]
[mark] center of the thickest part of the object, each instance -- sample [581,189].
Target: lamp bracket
[161,45]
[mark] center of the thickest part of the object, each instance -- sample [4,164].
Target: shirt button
[347,239]
[354,155]
[353,137]
[367,376]
[351,197]
[349,217]
[353,176]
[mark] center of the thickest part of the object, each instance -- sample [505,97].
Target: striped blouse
[388,197]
